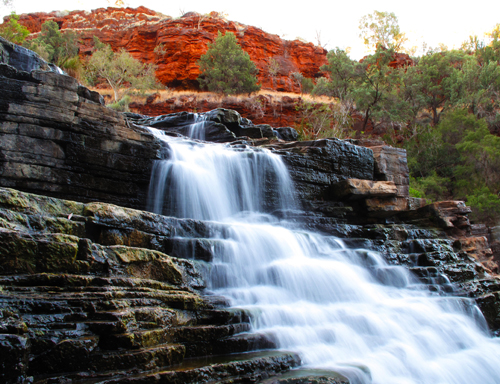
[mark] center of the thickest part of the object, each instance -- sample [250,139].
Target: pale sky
[429,21]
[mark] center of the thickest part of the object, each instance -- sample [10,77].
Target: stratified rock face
[88,292]
[57,138]
[183,41]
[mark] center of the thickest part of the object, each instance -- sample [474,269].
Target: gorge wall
[94,288]
[182,41]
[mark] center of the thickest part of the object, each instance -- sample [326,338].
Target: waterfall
[341,309]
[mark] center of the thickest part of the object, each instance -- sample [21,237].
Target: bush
[54,46]
[121,105]
[226,68]
[13,31]
[120,70]
[485,206]
[324,121]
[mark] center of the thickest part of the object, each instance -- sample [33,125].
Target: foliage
[13,31]
[381,29]
[121,105]
[475,86]
[120,70]
[273,68]
[305,84]
[343,73]
[434,71]
[432,187]
[374,94]
[485,206]
[54,46]
[459,159]
[226,68]
[325,120]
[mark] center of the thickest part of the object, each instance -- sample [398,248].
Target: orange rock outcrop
[176,44]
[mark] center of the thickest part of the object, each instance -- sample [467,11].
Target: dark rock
[287,134]
[22,58]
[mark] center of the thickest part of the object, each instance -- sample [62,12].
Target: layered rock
[182,42]
[57,138]
[88,292]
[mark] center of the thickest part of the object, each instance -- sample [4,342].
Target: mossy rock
[36,204]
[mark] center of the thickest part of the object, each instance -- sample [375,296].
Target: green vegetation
[121,71]
[58,48]
[444,109]
[13,31]
[381,29]
[226,68]
[320,121]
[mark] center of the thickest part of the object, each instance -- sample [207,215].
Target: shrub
[226,68]
[13,31]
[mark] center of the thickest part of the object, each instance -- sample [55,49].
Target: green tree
[381,29]
[475,86]
[120,70]
[374,92]
[225,68]
[343,73]
[13,31]
[54,46]
[434,70]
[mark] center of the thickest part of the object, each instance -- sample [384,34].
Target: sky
[337,22]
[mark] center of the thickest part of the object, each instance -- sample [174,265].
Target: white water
[311,294]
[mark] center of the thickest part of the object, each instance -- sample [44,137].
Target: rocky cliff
[93,288]
[182,41]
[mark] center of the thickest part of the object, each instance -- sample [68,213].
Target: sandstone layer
[179,43]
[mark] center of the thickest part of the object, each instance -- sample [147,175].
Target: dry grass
[276,96]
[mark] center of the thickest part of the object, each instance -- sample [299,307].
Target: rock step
[84,282]
[454,273]
[135,340]
[48,302]
[73,356]
[303,376]
[235,368]
[244,342]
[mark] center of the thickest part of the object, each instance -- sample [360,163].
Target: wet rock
[84,302]
[22,58]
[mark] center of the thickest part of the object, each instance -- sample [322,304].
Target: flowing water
[309,292]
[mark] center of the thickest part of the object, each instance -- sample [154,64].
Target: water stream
[310,293]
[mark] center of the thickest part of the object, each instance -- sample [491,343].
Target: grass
[276,97]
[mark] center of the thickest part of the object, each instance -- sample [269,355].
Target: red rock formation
[183,41]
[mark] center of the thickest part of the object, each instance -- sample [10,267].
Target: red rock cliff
[183,41]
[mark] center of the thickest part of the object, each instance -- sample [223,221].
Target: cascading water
[309,292]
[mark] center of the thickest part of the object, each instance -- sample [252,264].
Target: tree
[54,46]
[121,71]
[226,68]
[381,28]
[475,86]
[273,68]
[434,71]
[343,75]
[13,31]
[374,91]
